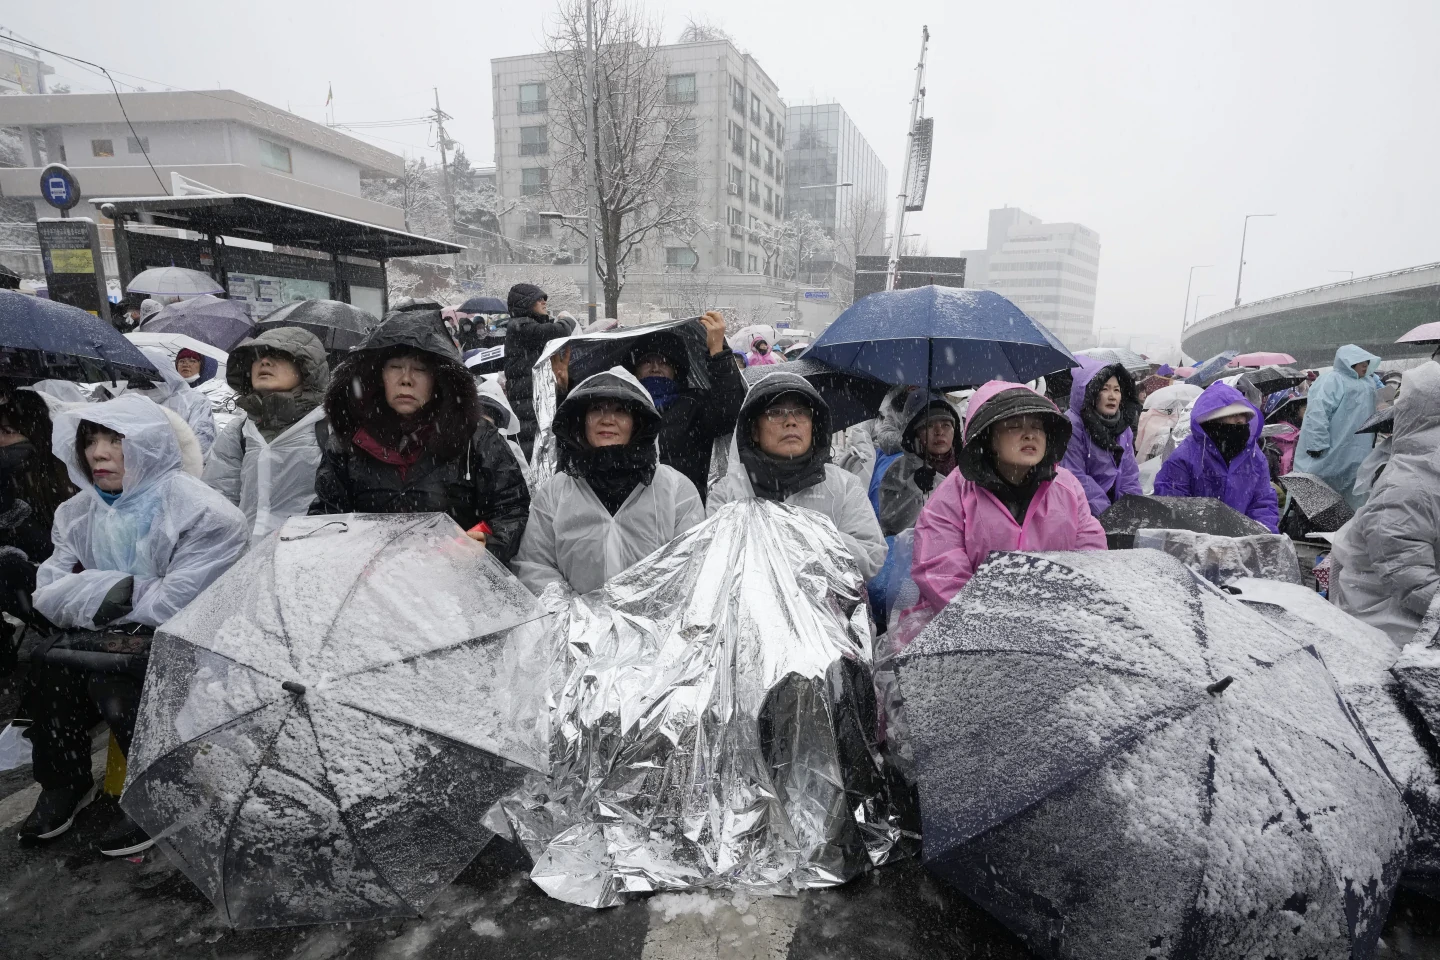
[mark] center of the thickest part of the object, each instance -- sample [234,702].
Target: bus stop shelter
[312,255]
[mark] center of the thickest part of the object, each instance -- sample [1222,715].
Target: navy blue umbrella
[45,340]
[943,338]
[1211,370]
[484,305]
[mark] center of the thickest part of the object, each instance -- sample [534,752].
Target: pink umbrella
[1262,359]
[1425,333]
[1182,372]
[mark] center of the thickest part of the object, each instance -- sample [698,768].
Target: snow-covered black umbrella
[323,729]
[1116,759]
[1322,508]
[1134,512]
[1273,379]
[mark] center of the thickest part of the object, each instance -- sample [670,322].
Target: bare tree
[643,156]
[700,29]
[861,231]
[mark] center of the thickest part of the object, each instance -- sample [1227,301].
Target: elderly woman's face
[106,459]
[608,423]
[785,429]
[409,384]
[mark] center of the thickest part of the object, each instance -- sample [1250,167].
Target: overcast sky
[1160,125]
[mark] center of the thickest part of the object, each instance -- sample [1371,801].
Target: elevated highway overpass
[1310,324]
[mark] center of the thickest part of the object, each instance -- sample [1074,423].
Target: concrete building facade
[220,138]
[823,147]
[739,135]
[1049,270]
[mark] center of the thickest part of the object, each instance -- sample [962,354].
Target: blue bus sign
[58,187]
[817,294]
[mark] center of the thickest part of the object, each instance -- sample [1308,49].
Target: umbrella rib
[438,650]
[334,798]
[240,804]
[1174,714]
[207,732]
[349,594]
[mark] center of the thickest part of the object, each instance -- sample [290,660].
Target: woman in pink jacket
[1007,493]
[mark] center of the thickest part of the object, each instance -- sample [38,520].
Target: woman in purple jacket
[1104,408]
[1222,457]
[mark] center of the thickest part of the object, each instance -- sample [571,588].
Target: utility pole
[915,104]
[440,118]
[1185,320]
[591,158]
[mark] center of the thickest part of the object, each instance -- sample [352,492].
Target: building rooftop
[180,106]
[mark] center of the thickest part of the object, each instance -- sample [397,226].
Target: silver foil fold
[714,721]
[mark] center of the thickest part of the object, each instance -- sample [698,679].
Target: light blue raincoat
[168,530]
[1339,404]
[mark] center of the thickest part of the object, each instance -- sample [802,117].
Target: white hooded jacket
[174,393]
[571,538]
[1387,558]
[168,530]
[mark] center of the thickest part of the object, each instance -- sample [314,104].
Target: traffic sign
[58,186]
[817,294]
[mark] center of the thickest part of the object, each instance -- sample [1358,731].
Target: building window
[737,95]
[102,148]
[681,258]
[680,88]
[735,259]
[754,149]
[687,133]
[754,189]
[735,217]
[533,142]
[780,133]
[737,181]
[532,98]
[275,156]
[770,161]
[534,181]
[754,109]
[770,124]
[752,264]
[534,226]
[137,144]
[769,200]
[737,139]
[780,170]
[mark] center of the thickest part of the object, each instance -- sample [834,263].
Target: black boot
[55,812]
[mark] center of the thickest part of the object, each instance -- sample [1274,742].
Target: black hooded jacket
[464,469]
[525,338]
[690,424]
[771,477]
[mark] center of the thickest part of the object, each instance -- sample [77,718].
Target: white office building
[1049,270]
[219,138]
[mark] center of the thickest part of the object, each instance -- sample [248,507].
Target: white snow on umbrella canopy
[322,730]
[1360,657]
[1080,782]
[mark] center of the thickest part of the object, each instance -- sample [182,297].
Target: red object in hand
[481,527]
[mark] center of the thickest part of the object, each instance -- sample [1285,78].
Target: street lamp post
[1198,298]
[1184,320]
[590,161]
[1243,232]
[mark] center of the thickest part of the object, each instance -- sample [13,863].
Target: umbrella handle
[1215,688]
[344,528]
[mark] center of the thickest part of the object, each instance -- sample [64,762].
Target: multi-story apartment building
[738,122]
[824,148]
[1049,270]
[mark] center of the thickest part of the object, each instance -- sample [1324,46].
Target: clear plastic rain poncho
[174,394]
[714,721]
[322,732]
[271,480]
[168,530]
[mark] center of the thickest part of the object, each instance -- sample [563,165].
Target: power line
[121,103]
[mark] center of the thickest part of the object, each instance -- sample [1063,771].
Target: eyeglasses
[782,414]
[1025,424]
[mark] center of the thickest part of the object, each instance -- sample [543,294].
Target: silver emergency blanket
[1220,560]
[713,721]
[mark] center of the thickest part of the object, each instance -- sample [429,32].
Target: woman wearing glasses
[782,439]
[611,502]
[1007,493]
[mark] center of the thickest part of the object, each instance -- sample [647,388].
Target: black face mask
[13,457]
[1230,438]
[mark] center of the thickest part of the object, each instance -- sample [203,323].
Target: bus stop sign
[58,187]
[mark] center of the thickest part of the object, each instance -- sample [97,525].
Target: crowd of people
[118,510]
